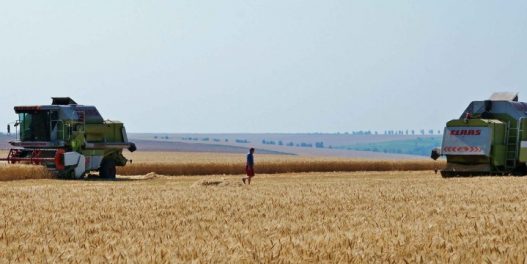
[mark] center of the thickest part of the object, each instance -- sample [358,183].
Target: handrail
[519,128]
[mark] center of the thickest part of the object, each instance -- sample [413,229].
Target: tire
[107,169]
[447,174]
[521,170]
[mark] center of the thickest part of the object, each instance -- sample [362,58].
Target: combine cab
[69,139]
[490,138]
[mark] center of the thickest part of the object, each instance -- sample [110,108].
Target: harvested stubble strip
[23,172]
[277,167]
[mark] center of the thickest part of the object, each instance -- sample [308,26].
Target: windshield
[35,126]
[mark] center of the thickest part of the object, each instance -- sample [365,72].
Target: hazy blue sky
[263,66]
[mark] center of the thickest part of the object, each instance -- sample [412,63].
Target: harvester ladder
[513,144]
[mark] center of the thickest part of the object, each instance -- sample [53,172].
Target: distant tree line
[321,144]
[292,144]
[412,132]
[204,139]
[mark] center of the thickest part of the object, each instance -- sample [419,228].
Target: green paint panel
[523,154]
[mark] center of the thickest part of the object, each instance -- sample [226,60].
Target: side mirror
[436,153]
[9,129]
[132,147]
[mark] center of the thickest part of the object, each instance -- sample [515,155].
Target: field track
[308,217]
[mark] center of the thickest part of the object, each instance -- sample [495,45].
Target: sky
[263,66]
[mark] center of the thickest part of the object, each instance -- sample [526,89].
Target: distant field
[202,157]
[417,146]
[209,157]
[315,145]
[296,138]
[392,217]
[176,146]
[4,141]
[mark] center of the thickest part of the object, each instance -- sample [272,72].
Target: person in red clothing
[249,167]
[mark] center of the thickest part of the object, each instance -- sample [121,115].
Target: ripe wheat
[22,172]
[365,217]
[176,164]
[287,166]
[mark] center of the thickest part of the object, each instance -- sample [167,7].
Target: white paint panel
[71,158]
[467,141]
[75,159]
[524,144]
[80,169]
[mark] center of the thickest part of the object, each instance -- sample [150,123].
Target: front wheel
[107,169]
[448,174]
[521,170]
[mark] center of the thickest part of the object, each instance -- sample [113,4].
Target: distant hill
[417,146]
[4,141]
[151,145]
[334,145]
[316,145]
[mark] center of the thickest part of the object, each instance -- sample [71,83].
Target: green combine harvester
[71,140]
[490,138]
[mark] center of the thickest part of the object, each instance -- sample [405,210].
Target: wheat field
[191,164]
[22,172]
[176,163]
[360,217]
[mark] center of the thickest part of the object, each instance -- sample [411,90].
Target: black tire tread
[107,169]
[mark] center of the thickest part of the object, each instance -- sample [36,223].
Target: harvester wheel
[521,170]
[107,169]
[448,174]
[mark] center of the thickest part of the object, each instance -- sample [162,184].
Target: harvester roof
[504,96]
[499,103]
[63,101]
[68,110]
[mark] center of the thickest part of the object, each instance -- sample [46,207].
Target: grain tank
[71,140]
[489,138]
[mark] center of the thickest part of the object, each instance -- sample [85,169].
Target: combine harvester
[490,138]
[71,140]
